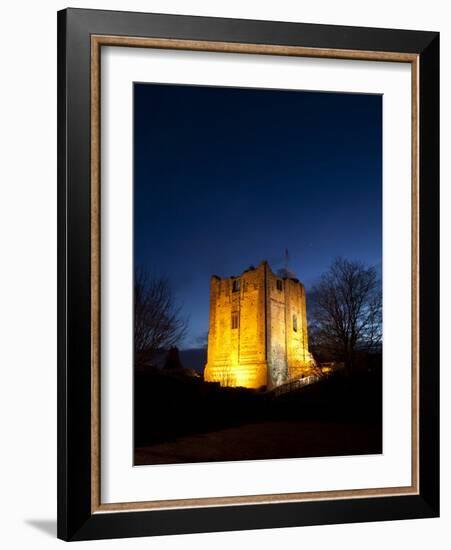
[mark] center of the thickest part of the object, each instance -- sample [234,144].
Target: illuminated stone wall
[300,360]
[252,341]
[277,331]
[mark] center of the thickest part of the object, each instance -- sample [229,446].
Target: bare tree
[158,324]
[346,310]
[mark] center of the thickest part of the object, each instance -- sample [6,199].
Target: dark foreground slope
[185,420]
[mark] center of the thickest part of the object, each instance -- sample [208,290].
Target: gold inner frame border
[97,41]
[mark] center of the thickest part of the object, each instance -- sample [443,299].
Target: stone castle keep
[258,330]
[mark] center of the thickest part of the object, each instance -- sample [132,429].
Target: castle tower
[258,330]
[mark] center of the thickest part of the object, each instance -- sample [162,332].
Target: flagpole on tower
[287,257]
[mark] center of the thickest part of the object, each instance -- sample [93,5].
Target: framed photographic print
[248,274]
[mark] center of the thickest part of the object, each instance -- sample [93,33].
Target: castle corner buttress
[258,330]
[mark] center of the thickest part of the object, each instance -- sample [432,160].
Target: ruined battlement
[258,330]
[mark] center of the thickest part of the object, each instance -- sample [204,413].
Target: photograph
[257,259]
[248,272]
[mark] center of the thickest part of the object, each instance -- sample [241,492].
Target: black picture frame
[76,521]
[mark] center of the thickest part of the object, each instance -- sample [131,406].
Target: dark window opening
[236,285]
[279,285]
[235,319]
[295,322]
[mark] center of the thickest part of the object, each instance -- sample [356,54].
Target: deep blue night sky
[227,177]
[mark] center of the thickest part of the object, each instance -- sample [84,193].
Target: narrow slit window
[236,285]
[295,322]
[279,285]
[235,319]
